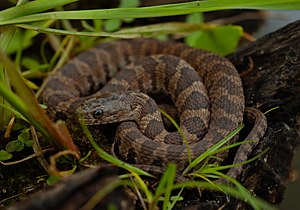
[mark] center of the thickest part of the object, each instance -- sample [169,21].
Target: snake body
[68,90]
[154,74]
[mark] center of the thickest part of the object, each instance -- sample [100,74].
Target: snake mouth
[93,121]
[85,121]
[96,122]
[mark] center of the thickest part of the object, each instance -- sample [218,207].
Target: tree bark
[270,71]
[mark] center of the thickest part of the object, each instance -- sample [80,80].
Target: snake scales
[205,88]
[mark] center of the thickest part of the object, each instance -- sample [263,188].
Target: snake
[109,83]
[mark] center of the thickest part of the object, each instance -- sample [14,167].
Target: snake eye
[98,113]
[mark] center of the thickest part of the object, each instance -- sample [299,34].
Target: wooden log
[270,71]
[76,191]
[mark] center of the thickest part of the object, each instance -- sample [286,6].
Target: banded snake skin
[107,84]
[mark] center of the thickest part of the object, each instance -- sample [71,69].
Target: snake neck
[142,105]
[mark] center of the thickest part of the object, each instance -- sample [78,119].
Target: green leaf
[16,42]
[4,155]
[28,143]
[220,39]
[18,126]
[16,145]
[115,24]
[112,25]
[195,18]
[129,3]
[24,135]
[52,180]
[30,63]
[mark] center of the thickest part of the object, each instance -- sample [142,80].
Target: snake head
[110,107]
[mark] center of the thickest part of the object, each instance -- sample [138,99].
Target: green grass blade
[244,196]
[175,199]
[212,149]
[78,33]
[12,99]
[218,168]
[5,39]
[221,149]
[135,32]
[162,183]
[179,131]
[272,109]
[155,11]
[28,106]
[32,8]
[166,28]
[18,114]
[143,187]
[165,185]
[169,185]
[110,158]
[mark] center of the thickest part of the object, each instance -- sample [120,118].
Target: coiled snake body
[210,102]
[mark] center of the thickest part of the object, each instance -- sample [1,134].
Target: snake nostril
[98,113]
